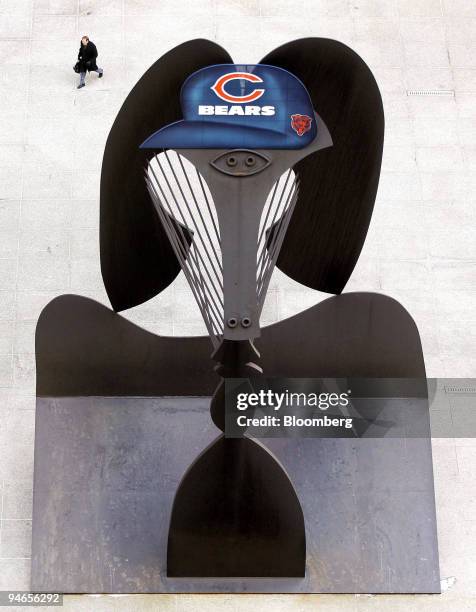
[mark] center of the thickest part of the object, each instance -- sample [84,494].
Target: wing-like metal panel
[137,261]
[338,185]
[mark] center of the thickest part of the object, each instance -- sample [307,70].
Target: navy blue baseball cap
[230,106]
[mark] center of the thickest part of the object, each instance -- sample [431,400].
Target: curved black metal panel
[337,185]
[137,261]
[83,348]
[236,513]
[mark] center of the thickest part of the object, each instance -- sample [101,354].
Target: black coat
[87,57]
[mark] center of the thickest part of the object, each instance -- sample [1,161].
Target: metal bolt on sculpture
[223,186]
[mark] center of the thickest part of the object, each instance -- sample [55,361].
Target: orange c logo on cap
[219,87]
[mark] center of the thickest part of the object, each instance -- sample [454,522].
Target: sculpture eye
[240,162]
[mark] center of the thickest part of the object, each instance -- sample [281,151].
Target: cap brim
[214,135]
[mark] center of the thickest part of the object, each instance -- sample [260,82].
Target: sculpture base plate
[106,472]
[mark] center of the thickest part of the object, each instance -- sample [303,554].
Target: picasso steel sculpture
[225,171]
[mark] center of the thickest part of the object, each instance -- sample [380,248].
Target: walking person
[87,60]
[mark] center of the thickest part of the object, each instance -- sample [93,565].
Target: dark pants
[82,75]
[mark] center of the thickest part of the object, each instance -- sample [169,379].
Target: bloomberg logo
[237,102]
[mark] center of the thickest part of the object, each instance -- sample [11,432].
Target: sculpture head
[337,186]
[223,185]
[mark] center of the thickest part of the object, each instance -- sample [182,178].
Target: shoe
[100,74]
[79,86]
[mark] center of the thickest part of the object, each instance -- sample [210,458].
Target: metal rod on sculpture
[282,190]
[180,250]
[217,299]
[200,213]
[277,227]
[182,215]
[186,258]
[278,213]
[211,213]
[187,262]
[194,219]
[275,248]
